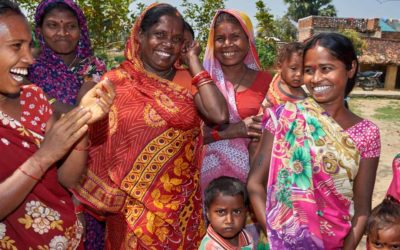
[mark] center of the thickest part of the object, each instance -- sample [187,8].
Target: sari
[310,184]
[228,157]
[45,219]
[394,188]
[143,169]
[51,73]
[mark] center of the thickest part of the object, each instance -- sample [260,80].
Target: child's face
[325,76]
[15,51]
[227,216]
[388,238]
[292,70]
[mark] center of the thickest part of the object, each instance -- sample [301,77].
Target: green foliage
[303,8]
[285,30]
[359,43]
[265,26]
[388,113]
[266,51]
[200,15]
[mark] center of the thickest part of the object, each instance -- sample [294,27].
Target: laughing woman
[144,161]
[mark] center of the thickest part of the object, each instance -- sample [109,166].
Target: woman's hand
[253,127]
[193,50]
[86,86]
[99,99]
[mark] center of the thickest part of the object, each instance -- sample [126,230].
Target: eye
[237,211]
[218,39]
[51,25]
[395,247]
[159,34]
[326,69]
[308,71]
[73,26]
[16,46]
[220,212]
[177,39]
[377,244]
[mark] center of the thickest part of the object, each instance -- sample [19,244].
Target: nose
[229,218]
[316,77]
[62,31]
[27,56]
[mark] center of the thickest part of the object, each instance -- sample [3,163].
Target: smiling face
[60,30]
[15,50]
[227,216]
[387,238]
[231,43]
[161,44]
[325,76]
[292,70]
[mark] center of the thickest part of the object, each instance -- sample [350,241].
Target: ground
[385,113]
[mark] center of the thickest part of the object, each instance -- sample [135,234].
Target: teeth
[321,88]
[229,53]
[18,78]
[19,71]
[161,53]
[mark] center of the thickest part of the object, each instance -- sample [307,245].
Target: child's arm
[362,189]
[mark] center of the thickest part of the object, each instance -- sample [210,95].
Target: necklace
[167,74]
[73,61]
[240,81]
[288,94]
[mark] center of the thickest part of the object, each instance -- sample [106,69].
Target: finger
[104,97]
[257,118]
[108,87]
[77,120]
[77,135]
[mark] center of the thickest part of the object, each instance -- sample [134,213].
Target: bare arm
[209,100]
[362,189]
[258,177]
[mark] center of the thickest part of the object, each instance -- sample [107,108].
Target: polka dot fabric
[36,110]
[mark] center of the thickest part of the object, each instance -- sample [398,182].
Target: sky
[344,8]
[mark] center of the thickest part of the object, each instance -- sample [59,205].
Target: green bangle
[52,100]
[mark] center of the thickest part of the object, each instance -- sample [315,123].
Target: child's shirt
[212,241]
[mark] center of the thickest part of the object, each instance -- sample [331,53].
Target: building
[382,37]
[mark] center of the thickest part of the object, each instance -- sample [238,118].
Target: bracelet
[85,148]
[52,100]
[30,176]
[79,209]
[199,76]
[215,135]
[204,83]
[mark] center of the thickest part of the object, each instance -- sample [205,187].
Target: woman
[232,60]
[143,169]
[318,158]
[36,211]
[65,68]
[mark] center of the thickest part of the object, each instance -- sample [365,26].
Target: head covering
[212,65]
[49,71]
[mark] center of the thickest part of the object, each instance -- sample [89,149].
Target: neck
[68,59]
[235,72]
[335,109]
[165,74]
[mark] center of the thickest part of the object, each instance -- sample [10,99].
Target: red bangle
[85,148]
[29,175]
[79,209]
[200,76]
[215,135]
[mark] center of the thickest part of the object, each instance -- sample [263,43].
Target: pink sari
[394,188]
[228,157]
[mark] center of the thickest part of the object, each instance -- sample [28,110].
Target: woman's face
[61,31]
[231,44]
[325,76]
[161,44]
[15,51]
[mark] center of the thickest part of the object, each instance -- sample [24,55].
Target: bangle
[79,209]
[52,100]
[204,83]
[215,135]
[199,76]
[31,176]
[85,148]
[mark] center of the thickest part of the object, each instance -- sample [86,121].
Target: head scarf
[212,65]
[49,71]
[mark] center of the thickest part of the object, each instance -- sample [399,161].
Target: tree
[285,30]
[303,8]
[265,25]
[358,43]
[200,16]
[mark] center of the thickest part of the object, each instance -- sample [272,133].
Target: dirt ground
[390,140]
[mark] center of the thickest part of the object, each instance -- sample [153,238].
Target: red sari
[46,218]
[143,165]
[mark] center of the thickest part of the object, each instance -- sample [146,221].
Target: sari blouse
[45,218]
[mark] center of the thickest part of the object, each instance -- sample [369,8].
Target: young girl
[226,203]
[320,159]
[383,228]
[287,82]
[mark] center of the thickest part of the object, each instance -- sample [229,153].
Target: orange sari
[143,165]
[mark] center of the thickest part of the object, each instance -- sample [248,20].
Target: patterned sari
[394,188]
[313,165]
[51,73]
[143,164]
[228,157]
[46,218]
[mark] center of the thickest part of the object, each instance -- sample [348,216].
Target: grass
[390,112]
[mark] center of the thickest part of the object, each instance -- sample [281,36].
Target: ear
[352,71]
[208,215]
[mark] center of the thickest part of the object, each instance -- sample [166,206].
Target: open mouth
[19,73]
[163,54]
[321,89]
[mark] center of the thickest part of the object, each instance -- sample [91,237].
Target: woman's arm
[58,140]
[258,177]
[209,100]
[362,189]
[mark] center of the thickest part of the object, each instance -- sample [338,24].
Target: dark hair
[10,6]
[225,185]
[187,27]
[288,50]
[382,216]
[341,48]
[56,6]
[154,14]
[226,17]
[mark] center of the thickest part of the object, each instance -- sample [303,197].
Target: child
[383,228]
[287,82]
[226,204]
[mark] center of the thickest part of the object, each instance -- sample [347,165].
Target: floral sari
[312,168]
[228,157]
[46,218]
[143,165]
